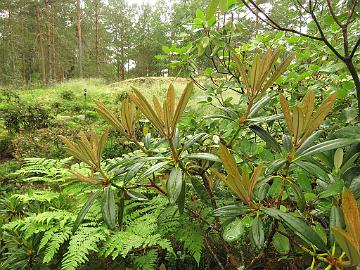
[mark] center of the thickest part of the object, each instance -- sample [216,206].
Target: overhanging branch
[269,21]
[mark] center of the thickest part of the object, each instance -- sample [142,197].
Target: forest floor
[65,102]
[97,89]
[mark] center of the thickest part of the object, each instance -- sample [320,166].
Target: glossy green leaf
[176,138]
[308,142]
[328,145]
[218,116]
[338,157]
[313,169]
[350,162]
[203,156]
[193,140]
[257,232]
[281,243]
[275,166]
[263,134]
[229,112]
[234,230]
[298,226]
[85,209]
[108,207]
[154,168]
[355,187]
[350,132]
[136,195]
[299,196]
[134,170]
[336,220]
[347,245]
[319,229]
[230,211]
[274,189]
[147,140]
[174,185]
[262,191]
[286,140]
[264,119]
[121,207]
[181,199]
[259,105]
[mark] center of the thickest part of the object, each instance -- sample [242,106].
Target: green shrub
[41,143]
[120,97]
[68,95]
[26,117]
[77,108]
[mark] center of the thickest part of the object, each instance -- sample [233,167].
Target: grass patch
[98,89]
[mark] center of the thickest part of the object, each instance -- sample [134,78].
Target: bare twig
[321,32]
[216,258]
[269,21]
[333,13]
[355,48]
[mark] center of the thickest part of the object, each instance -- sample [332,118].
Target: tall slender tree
[50,55]
[40,45]
[97,37]
[79,37]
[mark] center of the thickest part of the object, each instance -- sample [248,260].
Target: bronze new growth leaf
[241,184]
[165,117]
[260,75]
[127,121]
[87,151]
[349,240]
[302,121]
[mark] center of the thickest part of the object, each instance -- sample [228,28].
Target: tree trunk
[49,47]
[10,44]
[53,45]
[97,37]
[118,68]
[41,47]
[355,76]
[122,60]
[23,60]
[78,20]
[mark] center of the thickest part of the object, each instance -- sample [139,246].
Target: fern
[184,230]
[141,233]
[141,230]
[53,239]
[136,209]
[37,195]
[40,223]
[44,170]
[81,244]
[147,261]
[190,235]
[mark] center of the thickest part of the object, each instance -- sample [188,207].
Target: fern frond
[81,244]
[142,233]
[37,195]
[192,239]
[147,261]
[41,222]
[53,239]
[44,170]
[136,209]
